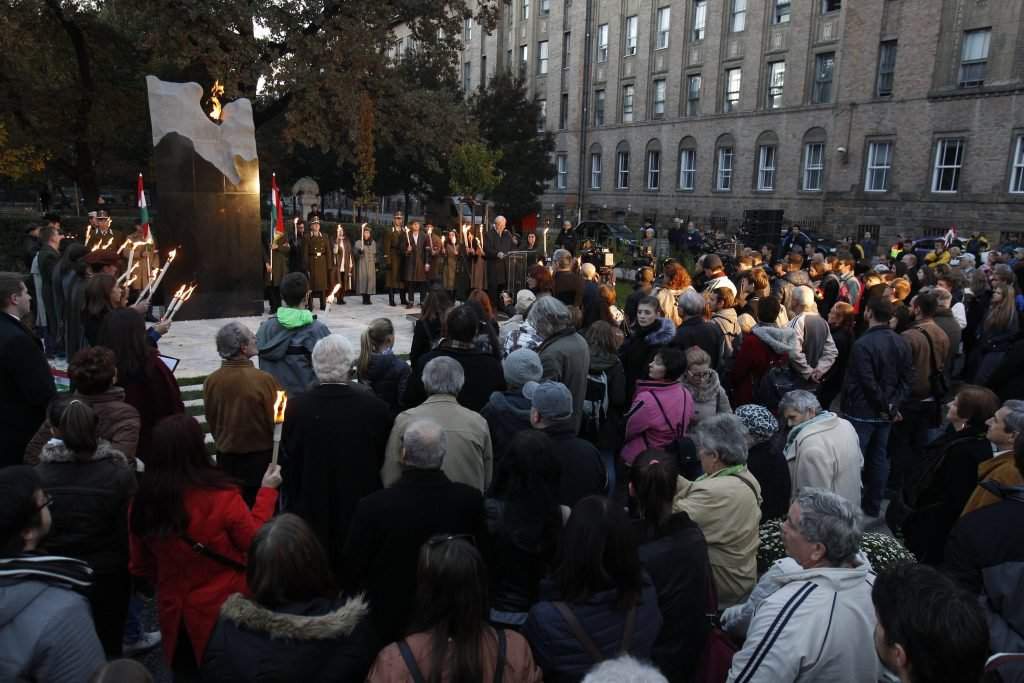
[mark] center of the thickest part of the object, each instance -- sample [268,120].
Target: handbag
[681,448]
[719,648]
[589,646]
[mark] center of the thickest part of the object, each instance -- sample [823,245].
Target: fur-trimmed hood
[778,339]
[281,625]
[56,452]
[662,334]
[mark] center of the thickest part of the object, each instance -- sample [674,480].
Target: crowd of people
[550,488]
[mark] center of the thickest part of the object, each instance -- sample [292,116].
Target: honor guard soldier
[320,261]
[394,251]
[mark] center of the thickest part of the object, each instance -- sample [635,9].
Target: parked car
[607,234]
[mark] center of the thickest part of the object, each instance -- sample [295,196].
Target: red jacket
[764,346]
[190,587]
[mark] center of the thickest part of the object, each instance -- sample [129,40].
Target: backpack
[776,382]
[595,405]
[846,294]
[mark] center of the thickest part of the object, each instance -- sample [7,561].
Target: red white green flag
[143,210]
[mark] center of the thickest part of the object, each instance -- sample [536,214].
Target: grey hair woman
[548,316]
[333,358]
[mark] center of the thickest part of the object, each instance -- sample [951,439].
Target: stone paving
[192,341]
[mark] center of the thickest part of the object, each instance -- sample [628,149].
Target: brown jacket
[239,401]
[118,424]
[519,665]
[1000,469]
[915,336]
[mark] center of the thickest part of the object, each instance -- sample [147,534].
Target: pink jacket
[647,426]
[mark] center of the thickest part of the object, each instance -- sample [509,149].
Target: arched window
[725,155]
[812,175]
[767,161]
[622,166]
[652,166]
[687,179]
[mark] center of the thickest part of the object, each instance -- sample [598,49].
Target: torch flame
[179,292]
[188,293]
[279,406]
[170,256]
[215,92]
[124,244]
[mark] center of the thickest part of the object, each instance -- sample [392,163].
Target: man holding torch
[395,244]
[320,258]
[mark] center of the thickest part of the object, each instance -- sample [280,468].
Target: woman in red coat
[185,500]
[766,345]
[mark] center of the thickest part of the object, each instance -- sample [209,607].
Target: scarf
[51,569]
[795,431]
[724,472]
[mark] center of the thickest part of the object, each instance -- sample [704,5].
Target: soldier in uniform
[343,261]
[297,262]
[394,252]
[280,253]
[417,263]
[141,251]
[321,264]
[102,233]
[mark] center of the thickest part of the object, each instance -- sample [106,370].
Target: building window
[566,48]
[595,171]
[831,6]
[776,79]
[814,166]
[780,12]
[653,169]
[886,68]
[664,19]
[467,77]
[562,179]
[542,115]
[545,7]
[542,57]
[949,158]
[693,95]
[1017,174]
[738,18]
[974,57]
[602,43]
[732,90]
[467,29]
[824,64]
[659,98]
[632,26]
[700,19]
[525,13]
[627,103]
[622,172]
[524,60]
[687,169]
[563,111]
[766,168]
[876,177]
[723,181]
[599,107]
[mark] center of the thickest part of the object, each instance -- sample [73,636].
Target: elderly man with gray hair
[725,502]
[498,242]
[822,449]
[567,284]
[391,525]
[695,330]
[812,615]
[564,354]
[815,349]
[470,458]
[239,404]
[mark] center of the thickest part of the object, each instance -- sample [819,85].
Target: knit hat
[758,420]
[522,366]
[524,299]
[552,400]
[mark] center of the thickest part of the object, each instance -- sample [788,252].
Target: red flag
[278,205]
[143,210]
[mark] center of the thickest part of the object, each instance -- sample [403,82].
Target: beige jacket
[468,459]
[728,510]
[826,454]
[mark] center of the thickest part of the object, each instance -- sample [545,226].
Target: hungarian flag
[278,216]
[143,210]
[949,237]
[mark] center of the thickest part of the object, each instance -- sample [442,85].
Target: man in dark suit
[297,262]
[26,385]
[390,527]
[497,244]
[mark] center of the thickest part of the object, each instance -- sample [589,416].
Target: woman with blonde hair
[378,367]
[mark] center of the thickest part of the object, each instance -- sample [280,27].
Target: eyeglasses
[46,503]
[445,538]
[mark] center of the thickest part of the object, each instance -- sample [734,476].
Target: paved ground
[192,341]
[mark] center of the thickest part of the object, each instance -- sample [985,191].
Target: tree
[18,161]
[508,123]
[365,159]
[474,172]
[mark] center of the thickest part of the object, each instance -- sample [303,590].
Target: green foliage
[473,170]
[19,161]
[508,123]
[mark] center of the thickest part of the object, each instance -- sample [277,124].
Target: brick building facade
[898,115]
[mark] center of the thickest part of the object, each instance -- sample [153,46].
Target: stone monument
[209,200]
[307,193]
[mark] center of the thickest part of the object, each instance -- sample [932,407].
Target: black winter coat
[425,336]
[90,505]
[386,534]
[676,558]
[583,471]
[767,462]
[706,335]
[320,640]
[26,388]
[483,377]
[387,375]
[518,557]
[333,443]
[507,413]
[562,657]
[1008,379]
[879,375]
[639,348]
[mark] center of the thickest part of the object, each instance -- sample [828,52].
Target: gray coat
[565,356]
[366,268]
[287,353]
[46,634]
